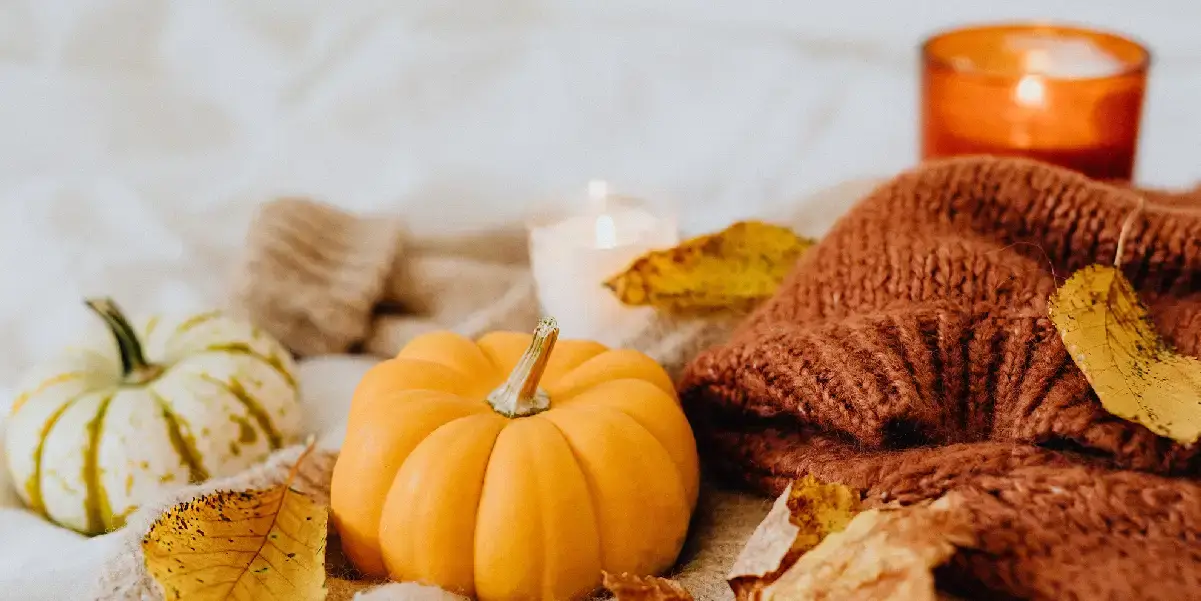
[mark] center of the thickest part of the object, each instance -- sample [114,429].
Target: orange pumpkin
[501,470]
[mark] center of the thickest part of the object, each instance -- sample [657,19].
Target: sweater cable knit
[910,354]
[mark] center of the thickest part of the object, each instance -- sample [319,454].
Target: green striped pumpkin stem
[134,366]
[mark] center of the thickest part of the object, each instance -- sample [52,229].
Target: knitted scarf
[910,354]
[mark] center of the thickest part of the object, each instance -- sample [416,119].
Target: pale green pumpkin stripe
[151,324]
[41,387]
[241,348]
[253,407]
[194,321]
[34,485]
[96,504]
[187,452]
[188,324]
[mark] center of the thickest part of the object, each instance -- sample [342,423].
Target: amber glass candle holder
[1060,94]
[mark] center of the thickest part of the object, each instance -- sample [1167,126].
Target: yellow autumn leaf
[628,587]
[732,269]
[255,545]
[1135,374]
[801,519]
[818,509]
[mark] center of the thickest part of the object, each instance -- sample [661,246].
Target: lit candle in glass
[572,255]
[1064,95]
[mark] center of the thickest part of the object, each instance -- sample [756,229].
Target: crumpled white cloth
[137,136]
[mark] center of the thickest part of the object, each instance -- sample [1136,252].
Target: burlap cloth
[326,282]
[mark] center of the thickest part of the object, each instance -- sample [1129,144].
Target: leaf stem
[309,445]
[135,369]
[520,395]
[1126,225]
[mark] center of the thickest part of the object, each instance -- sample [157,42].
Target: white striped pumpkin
[100,430]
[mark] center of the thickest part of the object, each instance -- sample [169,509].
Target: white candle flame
[1030,91]
[598,189]
[606,228]
[1038,60]
[606,232]
[598,195]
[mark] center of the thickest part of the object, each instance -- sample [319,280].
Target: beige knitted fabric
[445,292]
[325,281]
[312,274]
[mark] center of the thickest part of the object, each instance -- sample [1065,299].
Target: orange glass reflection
[1060,94]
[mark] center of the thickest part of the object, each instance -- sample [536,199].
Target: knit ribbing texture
[312,274]
[910,354]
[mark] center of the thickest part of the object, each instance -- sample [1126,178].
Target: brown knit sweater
[910,353]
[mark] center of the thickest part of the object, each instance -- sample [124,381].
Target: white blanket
[136,136]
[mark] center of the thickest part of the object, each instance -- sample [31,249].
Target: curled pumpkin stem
[134,366]
[520,395]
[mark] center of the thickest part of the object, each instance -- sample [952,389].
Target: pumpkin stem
[134,367]
[520,396]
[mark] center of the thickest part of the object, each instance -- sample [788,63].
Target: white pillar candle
[572,255]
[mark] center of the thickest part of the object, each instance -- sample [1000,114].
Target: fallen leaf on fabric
[627,587]
[1135,374]
[801,518]
[883,554]
[732,269]
[259,544]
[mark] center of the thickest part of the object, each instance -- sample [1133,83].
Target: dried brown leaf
[730,270]
[259,544]
[800,519]
[883,554]
[628,587]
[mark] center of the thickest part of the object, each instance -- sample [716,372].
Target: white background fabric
[137,136]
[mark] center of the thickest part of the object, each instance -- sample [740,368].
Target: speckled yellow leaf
[628,587]
[802,517]
[262,544]
[1112,340]
[732,269]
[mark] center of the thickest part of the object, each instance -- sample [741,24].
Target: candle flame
[606,232]
[1038,60]
[598,196]
[1030,91]
[598,190]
